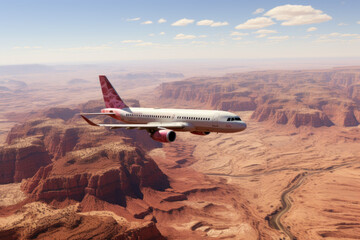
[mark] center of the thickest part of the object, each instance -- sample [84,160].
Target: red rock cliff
[110,172]
[22,159]
[298,98]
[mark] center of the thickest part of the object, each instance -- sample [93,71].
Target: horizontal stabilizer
[88,121]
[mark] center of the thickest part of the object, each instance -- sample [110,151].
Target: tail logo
[111,98]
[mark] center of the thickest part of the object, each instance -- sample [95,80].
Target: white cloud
[342,24]
[147,22]
[85,48]
[335,36]
[27,47]
[238,34]
[162,33]
[132,19]
[219,24]
[265,31]
[279,38]
[237,38]
[358,22]
[162,20]
[183,22]
[132,41]
[205,22]
[311,29]
[259,10]
[350,35]
[202,36]
[181,36]
[151,34]
[261,35]
[145,44]
[297,15]
[255,23]
[200,42]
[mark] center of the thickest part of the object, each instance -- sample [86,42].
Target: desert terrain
[292,174]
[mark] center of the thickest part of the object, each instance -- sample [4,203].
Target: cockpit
[233,119]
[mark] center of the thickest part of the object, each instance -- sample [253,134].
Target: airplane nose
[243,126]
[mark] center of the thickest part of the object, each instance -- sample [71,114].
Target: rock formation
[39,221]
[297,98]
[22,159]
[59,131]
[64,160]
[313,118]
[110,172]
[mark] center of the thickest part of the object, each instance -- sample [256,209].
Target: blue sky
[81,31]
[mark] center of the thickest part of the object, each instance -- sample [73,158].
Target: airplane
[162,123]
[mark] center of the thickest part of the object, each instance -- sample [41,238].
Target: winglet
[89,122]
[111,98]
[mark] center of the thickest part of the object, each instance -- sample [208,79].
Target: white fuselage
[196,120]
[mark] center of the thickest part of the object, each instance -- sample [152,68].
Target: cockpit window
[233,119]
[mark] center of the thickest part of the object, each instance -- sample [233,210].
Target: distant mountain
[5,89]
[142,76]
[77,81]
[10,85]
[24,69]
[313,98]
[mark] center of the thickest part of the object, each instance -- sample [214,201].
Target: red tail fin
[111,98]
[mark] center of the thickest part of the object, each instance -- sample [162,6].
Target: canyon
[304,122]
[292,174]
[95,171]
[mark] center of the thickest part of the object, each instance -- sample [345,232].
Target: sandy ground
[264,159]
[11,194]
[31,212]
[331,200]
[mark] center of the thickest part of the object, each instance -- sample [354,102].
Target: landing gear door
[215,120]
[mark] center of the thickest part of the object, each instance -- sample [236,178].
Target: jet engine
[164,136]
[200,133]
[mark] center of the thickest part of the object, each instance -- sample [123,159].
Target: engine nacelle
[200,133]
[164,136]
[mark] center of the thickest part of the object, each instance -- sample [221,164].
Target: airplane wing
[148,126]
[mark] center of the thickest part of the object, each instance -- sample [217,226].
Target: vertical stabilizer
[111,98]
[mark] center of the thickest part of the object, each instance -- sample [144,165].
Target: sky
[88,31]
